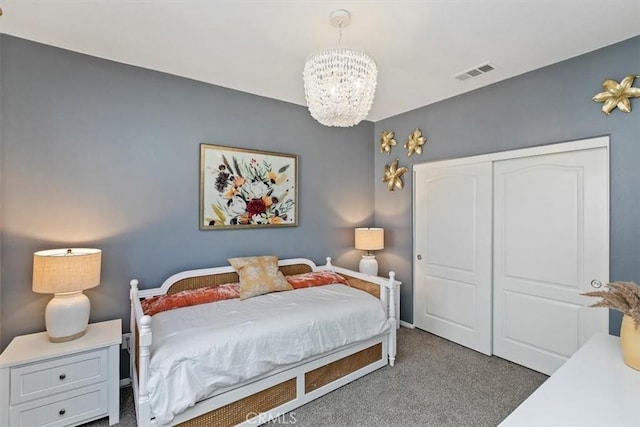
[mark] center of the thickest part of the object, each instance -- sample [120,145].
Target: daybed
[274,385]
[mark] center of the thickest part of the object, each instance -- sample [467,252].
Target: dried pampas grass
[621,296]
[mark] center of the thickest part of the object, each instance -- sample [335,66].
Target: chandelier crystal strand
[339,85]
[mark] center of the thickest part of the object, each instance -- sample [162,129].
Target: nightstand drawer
[57,375]
[64,409]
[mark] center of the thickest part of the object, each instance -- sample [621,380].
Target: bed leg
[392,343]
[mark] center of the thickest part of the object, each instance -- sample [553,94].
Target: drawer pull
[62,411]
[62,376]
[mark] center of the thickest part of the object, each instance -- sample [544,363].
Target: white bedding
[200,349]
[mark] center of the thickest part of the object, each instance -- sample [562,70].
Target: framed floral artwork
[247,188]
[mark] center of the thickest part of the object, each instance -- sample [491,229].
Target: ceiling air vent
[476,71]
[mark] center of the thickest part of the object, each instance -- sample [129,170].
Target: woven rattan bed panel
[222,278]
[236,412]
[338,369]
[368,287]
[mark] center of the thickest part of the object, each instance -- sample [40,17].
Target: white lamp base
[67,316]
[369,265]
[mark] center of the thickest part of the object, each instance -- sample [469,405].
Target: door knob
[419,257]
[595,283]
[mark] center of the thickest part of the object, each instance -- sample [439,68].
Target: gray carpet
[434,383]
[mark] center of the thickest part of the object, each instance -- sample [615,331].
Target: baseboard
[407,324]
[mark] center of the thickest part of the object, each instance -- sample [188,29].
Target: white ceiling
[259,46]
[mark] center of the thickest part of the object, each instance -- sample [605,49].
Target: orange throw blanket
[160,303]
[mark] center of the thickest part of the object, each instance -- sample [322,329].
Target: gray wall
[545,106]
[100,154]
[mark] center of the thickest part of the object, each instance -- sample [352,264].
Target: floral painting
[246,188]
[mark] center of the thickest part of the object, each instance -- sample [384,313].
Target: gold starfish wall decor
[393,175]
[386,141]
[414,143]
[617,94]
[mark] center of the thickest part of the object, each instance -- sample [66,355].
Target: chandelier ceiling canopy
[339,83]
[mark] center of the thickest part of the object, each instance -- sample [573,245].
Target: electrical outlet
[126,342]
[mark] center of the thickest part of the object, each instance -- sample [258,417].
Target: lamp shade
[66,270]
[369,239]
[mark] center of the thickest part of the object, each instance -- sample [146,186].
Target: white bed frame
[142,324]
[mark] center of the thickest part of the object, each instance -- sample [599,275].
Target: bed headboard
[228,277]
[194,279]
[221,278]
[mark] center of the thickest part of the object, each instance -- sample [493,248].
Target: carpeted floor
[434,383]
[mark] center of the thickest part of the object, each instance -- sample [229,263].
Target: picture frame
[241,188]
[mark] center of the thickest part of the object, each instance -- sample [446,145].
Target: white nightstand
[61,384]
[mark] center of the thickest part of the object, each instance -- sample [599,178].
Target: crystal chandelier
[339,83]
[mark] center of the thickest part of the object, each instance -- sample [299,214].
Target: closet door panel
[550,242]
[452,219]
[541,225]
[520,308]
[452,301]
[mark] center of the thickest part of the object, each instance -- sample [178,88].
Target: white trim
[583,144]
[125,382]
[407,325]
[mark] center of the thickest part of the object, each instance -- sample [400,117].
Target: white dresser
[593,388]
[61,384]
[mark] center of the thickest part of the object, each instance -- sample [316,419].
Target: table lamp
[65,273]
[369,239]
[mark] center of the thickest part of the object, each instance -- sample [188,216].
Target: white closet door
[452,269]
[551,243]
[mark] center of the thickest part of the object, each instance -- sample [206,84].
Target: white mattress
[200,349]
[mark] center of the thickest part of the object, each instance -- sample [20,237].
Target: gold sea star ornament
[393,175]
[386,141]
[415,142]
[617,94]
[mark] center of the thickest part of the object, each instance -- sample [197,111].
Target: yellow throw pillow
[259,275]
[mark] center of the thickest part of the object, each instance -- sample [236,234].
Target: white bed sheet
[200,349]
